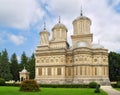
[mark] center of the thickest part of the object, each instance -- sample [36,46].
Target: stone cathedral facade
[83,62]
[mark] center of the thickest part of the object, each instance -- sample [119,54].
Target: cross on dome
[44,26]
[81,13]
[59,19]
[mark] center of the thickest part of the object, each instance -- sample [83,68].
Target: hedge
[93,84]
[55,85]
[2,82]
[64,85]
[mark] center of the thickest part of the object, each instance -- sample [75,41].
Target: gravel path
[110,90]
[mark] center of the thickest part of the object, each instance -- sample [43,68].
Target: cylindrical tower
[82,36]
[81,25]
[44,37]
[59,32]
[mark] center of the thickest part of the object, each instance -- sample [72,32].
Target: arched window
[95,71]
[56,60]
[95,60]
[58,71]
[80,70]
[69,71]
[40,71]
[49,71]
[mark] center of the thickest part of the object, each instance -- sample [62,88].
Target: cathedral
[59,63]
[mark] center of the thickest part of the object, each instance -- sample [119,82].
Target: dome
[81,44]
[81,17]
[59,26]
[97,46]
[24,70]
[44,31]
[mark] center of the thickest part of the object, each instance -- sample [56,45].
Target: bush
[93,84]
[64,85]
[97,90]
[2,82]
[29,86]
[118,84]
[118,78]
[12,84]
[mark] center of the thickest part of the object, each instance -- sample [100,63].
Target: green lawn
[117,89]
[50,91]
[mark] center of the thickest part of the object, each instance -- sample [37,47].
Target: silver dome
[24,70]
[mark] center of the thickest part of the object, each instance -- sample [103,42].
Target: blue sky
[22,20]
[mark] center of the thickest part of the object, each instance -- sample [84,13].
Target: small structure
[24,75]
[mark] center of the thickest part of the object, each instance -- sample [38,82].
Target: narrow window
[58,71]
[40,71]
[49,71]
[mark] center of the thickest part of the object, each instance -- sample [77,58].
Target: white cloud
[19,13]
[105,20]
[18,40]
[115,2]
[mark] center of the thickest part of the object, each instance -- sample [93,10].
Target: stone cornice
[81,36]
[69,65]
[81,50]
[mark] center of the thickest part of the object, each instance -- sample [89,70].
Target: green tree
[24,61]
[14,67]
[0,57]
[114,65]
[31,66]
[5,66]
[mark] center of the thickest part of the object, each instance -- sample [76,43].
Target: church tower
[44,37]
[81,32]
[59,36]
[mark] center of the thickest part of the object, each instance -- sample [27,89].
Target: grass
[50,91]
[117,89]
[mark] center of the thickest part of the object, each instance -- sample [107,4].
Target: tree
[14,67]
[24,61]
[5,66]
[31,66]
[114,65]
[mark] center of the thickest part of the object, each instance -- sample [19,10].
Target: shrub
[2,82]
[97,90]
[118,84]
[12,84]
[118,78]
[29,86]
[64,85]
[93,84]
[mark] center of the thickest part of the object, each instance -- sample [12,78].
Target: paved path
[110,90]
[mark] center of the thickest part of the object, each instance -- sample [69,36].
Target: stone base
[104,81]
[51,81]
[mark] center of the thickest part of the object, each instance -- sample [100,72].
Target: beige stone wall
[51,60]
[61,44]
[87,38]
[74,65]
[24,76]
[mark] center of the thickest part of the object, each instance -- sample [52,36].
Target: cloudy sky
[22,20]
